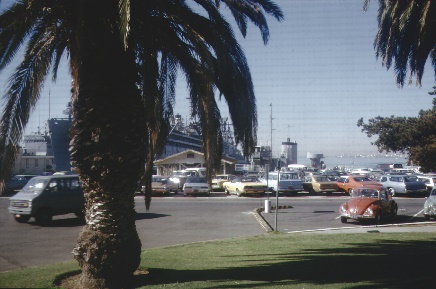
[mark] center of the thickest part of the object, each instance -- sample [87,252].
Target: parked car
[348,183]
[369,203]
[361,172]
[429,181]
[403,184]
[290,182]
[46,196]
[62,173]
[218,181]
[244,186]
[196,172]
[318,184]
[179,177]
[430,206]
[196,185]
[16,183]
[161,185]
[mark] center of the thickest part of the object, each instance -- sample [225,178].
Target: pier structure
[315,160]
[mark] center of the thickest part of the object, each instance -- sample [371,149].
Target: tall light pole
[271,122]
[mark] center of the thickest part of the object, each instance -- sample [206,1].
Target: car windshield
[321,179]
[158,180]
[35,184]
[196,180]
[287,176]
[365,193]
[248,180]
[181,174]
[362,179]
[221,177]
[410,179]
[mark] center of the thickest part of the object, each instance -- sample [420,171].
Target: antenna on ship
[49,102]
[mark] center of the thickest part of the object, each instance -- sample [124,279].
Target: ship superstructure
[54,141]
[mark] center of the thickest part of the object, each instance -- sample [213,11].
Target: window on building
[27,163]
[36,163]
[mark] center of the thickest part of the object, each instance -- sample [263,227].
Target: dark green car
[46,196]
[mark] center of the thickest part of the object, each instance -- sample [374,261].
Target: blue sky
[318,71]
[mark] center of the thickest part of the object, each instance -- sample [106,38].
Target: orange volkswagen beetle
[349,183]
[368,203]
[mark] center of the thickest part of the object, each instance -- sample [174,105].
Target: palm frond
[405,37]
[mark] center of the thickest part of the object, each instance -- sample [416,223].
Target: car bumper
[20,211]
[358,217]
[254,191]
[160,191]
[195,191]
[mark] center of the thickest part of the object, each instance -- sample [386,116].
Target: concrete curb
[403,227]
[257,213]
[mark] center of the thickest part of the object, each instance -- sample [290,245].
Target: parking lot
[180,219]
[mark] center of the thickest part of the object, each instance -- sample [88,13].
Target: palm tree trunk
[107,147]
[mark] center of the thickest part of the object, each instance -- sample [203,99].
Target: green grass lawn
[377,260]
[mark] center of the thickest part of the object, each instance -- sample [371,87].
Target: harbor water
[351,162]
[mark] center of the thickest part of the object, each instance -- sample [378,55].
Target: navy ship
[183,136]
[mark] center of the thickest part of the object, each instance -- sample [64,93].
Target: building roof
[224,159]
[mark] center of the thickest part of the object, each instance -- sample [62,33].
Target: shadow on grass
[378,264]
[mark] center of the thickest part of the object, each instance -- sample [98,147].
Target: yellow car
[244,186]
[318,184]
[219,180]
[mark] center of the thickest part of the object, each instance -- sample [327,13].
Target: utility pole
[271,119]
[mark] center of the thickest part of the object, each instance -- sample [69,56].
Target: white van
[289,182]
[196,172]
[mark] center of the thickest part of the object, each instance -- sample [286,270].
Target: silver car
[196,185]
[430,206]
[403,184]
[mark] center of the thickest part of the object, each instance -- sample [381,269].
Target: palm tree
[123,57]
[406,37]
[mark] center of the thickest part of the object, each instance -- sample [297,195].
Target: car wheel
[350,192]
[44,217]
[312,191]
[21,218]
[426,217]
[238,193]
[226,190]
[343,219]
[391,191]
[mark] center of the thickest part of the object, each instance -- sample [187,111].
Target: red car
[368,203]
[349,183]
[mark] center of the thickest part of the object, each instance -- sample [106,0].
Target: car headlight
[21,204]
[369,212]
[343,209]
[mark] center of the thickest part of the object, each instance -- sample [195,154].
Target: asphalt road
[178,220]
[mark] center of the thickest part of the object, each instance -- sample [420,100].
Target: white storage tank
[289,151]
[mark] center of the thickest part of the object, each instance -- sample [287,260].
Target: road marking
[417,214]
